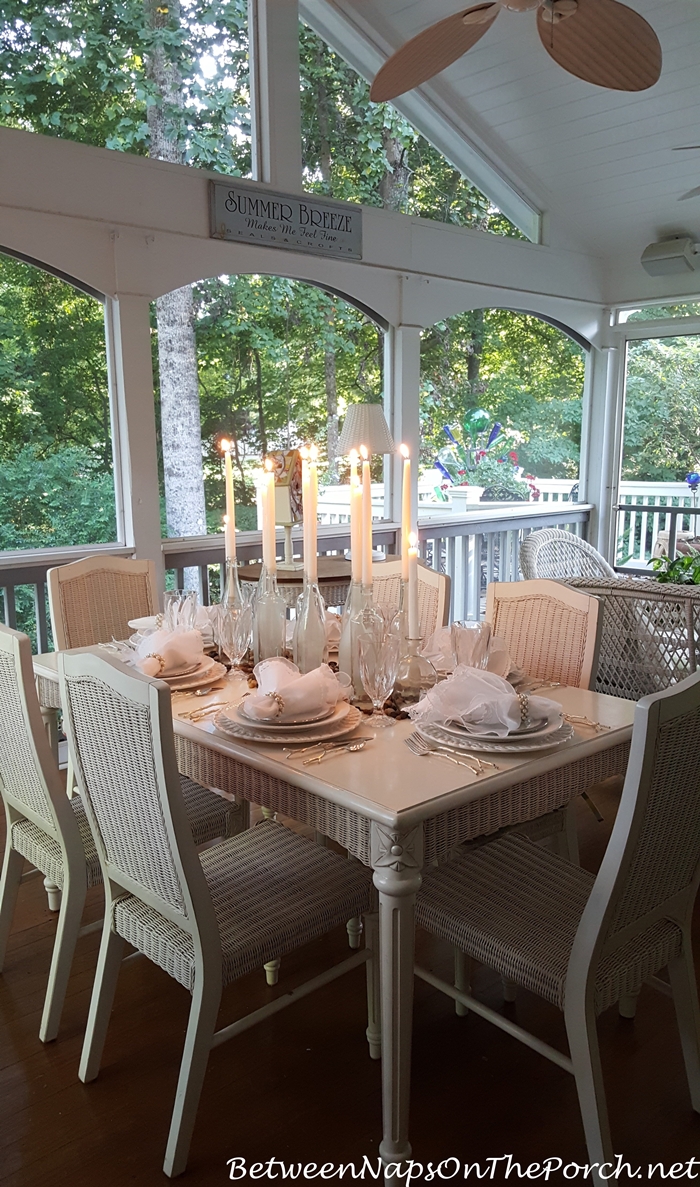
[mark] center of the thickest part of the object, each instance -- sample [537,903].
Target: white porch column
[273,27]
[401,407]
[130,369]
[601,465]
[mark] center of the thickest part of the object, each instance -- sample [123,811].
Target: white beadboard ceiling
[601,162]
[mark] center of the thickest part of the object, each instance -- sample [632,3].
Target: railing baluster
[42,634]
[204,583]
[10,609]
[475,582]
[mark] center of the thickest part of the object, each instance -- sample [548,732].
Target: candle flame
[364,452]
[269,465]
[224,444]
[313,452]
[354,456]
[403,450]
[304,453]
[412,540]
[226,519]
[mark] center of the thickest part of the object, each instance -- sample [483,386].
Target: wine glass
[180,609]
[236,632]
[471,642]
[379,663]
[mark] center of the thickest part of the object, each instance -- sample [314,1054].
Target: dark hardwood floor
[301,1086]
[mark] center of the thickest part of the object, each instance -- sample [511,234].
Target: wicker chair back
[433,593]
[550,634]
[555,554]
[92,600]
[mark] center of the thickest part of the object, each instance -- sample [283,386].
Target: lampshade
[365,424]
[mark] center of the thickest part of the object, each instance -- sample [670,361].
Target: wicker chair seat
[272,891]
[209,814]
[44,851]
[516,908]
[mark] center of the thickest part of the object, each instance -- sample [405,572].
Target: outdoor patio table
[397,813]
[333,579]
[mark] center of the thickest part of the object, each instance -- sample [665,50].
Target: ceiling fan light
[554,11]
[520,5]
[479,16]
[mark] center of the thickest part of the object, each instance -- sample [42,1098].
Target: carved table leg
[397,859]
[50,719]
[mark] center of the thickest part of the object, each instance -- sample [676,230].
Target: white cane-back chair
[584,942]
[552,553]
[43,825]
[551,631]
[433,593]
[206,919]
[92,600]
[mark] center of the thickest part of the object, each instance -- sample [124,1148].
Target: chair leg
[510,989]
[354,930]
[9,885]
[566,842]
[585,1055]
[374,1003]
[463,968]
[627,1005]
[272,970]
[72,904]
[200,1030]
[685,999]
[53,894]
[108,964]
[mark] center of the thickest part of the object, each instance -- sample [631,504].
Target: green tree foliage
[525,372]
[662,409]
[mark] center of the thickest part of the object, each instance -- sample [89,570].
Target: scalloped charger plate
[335,727]
[435,733]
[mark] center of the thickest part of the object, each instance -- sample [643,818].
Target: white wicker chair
[585,943]
[92,600]
[206,919]
[553,553]
[552,633]
[51,831]
[433,593]
[43,825]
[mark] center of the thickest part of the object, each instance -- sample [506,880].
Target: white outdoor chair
[553,553]
[206,919]
[92,600]
[552,633]
[52,831]
[582,942]
[433,593]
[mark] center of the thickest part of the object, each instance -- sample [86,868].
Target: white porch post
[401,407]
[130,371]
[600,464]
[274,85]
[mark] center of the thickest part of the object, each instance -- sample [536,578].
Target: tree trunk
[181,427]
[393,187]
[331,401]
[476,349]
[324,122]
[259,399]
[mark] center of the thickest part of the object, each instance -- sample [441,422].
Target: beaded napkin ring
[161,662]
[524,708]
[279,701]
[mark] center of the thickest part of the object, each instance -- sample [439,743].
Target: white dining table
[397,813]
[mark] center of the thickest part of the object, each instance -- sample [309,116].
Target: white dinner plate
[537,729]
[435,733]
[301,721]
[205,673]
[341,723]
[144,624]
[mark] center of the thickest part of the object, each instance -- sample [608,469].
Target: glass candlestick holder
[348,654]
[399,623]
[270,618]
[232,597]
[416,675]
[310,645]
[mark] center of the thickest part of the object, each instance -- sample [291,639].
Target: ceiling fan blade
[686,148]
[431,51]
[691,194]
[606,43]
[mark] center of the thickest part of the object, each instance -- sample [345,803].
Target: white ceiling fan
[695,192]
[601,41]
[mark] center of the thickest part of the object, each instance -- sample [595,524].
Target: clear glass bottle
[310,645]
[232,597]
[348,653]
[270,618]
[416,674]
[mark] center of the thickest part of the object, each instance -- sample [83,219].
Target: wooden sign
[306,222]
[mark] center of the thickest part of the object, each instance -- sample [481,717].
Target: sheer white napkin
[168,653]
[283,692]
[438,649]
[481,703]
